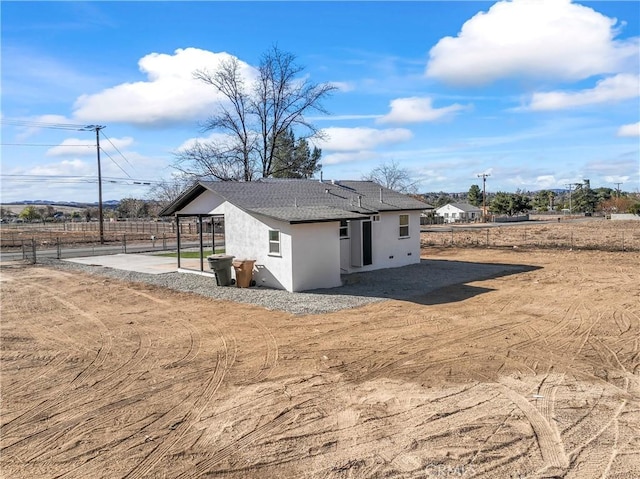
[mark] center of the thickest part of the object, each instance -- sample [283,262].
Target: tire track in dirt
[105,335]
[270,355]
[548,437]
[415,349]
[418,349]
[14,307]
[113,384]
[487,439]
[286,417]
[44,371]
[38,302]
[223,363]
[139,354]
[69,421]
[553,331]
[49,403]
[195,344]
[593,463]
[271,345]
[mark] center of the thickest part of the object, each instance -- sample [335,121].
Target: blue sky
[535,93]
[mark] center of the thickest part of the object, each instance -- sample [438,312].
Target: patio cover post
[201,244]
[178,238]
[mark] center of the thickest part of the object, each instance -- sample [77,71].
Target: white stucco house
[459,213]
[305,234]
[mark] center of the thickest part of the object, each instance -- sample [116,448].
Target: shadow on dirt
[428,282]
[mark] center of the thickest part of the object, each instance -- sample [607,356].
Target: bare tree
[394,177]
[254,118]
[213,161]
[281,101]
[165,192]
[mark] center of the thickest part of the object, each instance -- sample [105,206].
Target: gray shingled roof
[298,201]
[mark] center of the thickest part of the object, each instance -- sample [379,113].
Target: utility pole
[570,185]
[484,195]
[618,196]
[97,129]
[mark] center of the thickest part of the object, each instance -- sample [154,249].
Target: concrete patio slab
[142,263]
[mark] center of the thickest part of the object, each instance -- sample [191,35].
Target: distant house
[459,213]
[303,234]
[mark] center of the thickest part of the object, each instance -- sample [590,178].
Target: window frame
[275,242]
[402,226]
[344,229]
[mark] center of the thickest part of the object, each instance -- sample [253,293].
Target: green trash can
[221,266]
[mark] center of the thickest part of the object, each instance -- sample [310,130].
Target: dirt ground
[529,375]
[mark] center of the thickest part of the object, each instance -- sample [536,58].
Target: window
[274,242]
[344,229]
[404,226]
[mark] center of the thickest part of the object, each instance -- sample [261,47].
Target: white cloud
[77,147]
[342,117]
[616,88]
[343,86]
[546,181]
[73,167]
[631,130]
[415,110]
[170,93]
[339,158]
[532,38]
[430,176]
[617,179]
[355,139]
[214,137]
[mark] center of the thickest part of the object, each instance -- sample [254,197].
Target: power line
[65,126]
[115,162]
[116,148]
[64,179]
[42,144]
[41,124]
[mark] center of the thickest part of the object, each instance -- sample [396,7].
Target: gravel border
[411,283]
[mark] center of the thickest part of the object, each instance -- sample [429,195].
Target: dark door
[367,251]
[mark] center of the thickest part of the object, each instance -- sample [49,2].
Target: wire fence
[30,249]
[13,235]
[619,238]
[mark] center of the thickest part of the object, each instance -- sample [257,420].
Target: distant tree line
[581,199]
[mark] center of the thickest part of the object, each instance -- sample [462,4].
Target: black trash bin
[221,266]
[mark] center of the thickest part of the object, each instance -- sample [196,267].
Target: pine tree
[475,195]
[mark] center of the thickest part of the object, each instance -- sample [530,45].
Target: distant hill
[67,207]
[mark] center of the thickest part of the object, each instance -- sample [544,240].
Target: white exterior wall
[452,212]
[204,204]
[309,253]
[316,255]
[247,237]
[389,250]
